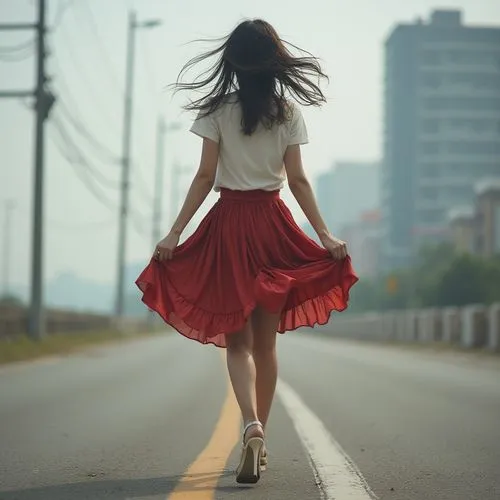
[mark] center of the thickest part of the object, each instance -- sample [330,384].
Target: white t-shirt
[249,162]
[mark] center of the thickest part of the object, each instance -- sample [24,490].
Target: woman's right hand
[336,247]
[165,248]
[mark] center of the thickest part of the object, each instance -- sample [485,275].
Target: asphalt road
[153,419]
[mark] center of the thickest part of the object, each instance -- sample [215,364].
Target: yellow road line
[200,479]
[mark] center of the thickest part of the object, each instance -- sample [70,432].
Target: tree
[468,280]
[441,277]
[11,301]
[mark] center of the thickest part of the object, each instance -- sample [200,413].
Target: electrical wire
[13,58]
[17,53]
[104,51]
[95,185]
[75,156]
[82,73]
[58,224]
[142,187]
[28,44]
[62,9]
[107,155]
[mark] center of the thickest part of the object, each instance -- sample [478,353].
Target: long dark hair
[256,63]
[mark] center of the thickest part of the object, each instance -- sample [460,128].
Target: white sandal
[263,460]
[248,471]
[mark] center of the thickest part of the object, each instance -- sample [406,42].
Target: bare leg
[265,325]
[241,367]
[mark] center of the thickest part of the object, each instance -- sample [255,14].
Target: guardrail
[14,322]
[473,326]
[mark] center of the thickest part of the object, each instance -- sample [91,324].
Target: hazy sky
[86,64]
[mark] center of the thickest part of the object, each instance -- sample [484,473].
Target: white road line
[337,476]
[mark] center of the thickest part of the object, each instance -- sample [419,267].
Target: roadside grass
[22,348]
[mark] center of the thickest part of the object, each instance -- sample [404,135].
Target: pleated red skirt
[247,251]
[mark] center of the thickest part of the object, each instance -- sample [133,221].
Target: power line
[142,189]
[141,185]
[70,148]
[108,155]
[95,185]
[82,74]
[62,9]
[104,51]
[17,53]
[15,57]
[65,225]
[29,44]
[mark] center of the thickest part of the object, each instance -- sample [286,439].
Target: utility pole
[9,208]
[125,181]
[157,208]
[133,25]
[175,186]
[158,195]
[44,102]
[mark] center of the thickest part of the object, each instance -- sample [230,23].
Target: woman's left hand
[165,248]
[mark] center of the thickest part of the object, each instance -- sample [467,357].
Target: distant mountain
[70,291]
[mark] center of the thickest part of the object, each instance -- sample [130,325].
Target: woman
[249,271]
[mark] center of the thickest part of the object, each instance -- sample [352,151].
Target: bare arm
[303,193]
[198,191]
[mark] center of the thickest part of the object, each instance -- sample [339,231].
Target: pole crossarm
[16,93]
[17,26]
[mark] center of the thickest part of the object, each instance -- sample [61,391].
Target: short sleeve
[206,126]
[298,129]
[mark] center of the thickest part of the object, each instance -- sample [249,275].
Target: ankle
[253,428]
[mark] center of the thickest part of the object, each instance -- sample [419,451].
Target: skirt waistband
[252,195]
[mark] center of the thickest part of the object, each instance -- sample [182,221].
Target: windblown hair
[255,62]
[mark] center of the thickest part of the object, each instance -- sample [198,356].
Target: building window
[430,125]
[487,81]
[429,193]
[429,170]
[462,103]
[430,80]
[469,125]
[460,169]
[430,57]
[430,147]
[459,194]
[434,216]
[470,57]
[471,148]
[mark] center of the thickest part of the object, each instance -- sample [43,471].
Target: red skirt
[247,251]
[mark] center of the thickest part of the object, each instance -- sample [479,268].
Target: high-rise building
[363,241]
[442,126]
[347,190]
[476,229]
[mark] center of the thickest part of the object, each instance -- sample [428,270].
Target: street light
[152,23]
[162,131]
[133,25]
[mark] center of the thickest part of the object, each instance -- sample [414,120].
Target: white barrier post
[494,327]
[474,330]
[451,325]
